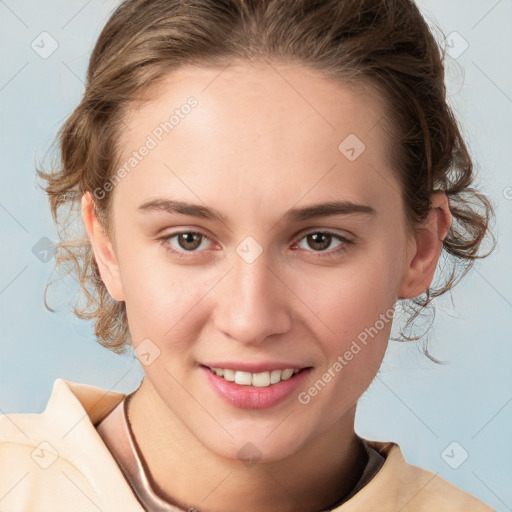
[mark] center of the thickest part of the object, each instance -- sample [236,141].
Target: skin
[262,140]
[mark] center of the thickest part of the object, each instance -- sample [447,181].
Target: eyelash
[165,242]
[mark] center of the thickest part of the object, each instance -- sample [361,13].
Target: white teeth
[275,376]
[287,373]
[228,374]
[243,378]
[260,380]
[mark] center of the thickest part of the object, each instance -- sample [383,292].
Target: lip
[251,397]
[253,368]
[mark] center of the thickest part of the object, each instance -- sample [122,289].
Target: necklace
[139,476]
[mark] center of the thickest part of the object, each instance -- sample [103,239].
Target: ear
[426,248]
[103,250]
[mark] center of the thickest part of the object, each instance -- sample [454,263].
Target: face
[227,260]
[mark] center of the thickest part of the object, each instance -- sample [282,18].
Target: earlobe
[104,253]
[426,248]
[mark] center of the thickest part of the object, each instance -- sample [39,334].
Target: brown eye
[324,243]
[319,241]
[189,241]
[185,243]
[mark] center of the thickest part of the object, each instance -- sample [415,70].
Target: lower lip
[251,397]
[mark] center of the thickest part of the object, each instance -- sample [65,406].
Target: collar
[118,437]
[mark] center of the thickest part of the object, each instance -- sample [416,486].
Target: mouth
[255,389]
[259,380]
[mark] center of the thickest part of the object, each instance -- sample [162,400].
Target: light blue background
[421,406]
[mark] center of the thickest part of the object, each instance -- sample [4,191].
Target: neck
[316,476]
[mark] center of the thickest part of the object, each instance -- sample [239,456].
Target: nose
[253,302]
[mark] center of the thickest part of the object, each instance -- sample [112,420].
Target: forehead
[266,124]
[260,101]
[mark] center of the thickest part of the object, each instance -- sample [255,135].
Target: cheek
[353,309]
[163,301]
[352,298]
[354,315]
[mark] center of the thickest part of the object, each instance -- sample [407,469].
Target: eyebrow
[315,211]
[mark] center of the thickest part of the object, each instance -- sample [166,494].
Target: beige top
[117,435]
[57,461]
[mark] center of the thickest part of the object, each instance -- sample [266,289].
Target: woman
[260,183]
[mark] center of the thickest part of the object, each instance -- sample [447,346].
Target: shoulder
[61,449]
[72,406]
[402,486]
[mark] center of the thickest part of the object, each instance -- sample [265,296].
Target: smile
[260,380]
[254,390]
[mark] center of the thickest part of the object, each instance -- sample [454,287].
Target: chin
[250,447]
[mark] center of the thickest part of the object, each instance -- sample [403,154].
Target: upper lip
[254,368]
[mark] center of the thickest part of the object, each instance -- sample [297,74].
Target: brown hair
[383,44]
